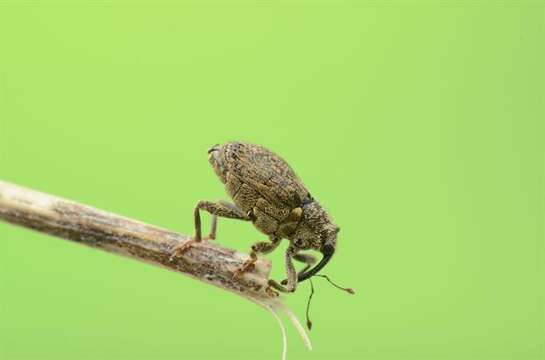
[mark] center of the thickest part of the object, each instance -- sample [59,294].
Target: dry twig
[206,261]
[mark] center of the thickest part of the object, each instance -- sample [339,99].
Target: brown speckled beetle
[266,191]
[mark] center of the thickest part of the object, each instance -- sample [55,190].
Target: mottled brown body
[267,192]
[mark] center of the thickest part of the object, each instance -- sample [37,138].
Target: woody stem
[207,262]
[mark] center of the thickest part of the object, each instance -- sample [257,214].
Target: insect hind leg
[216,209]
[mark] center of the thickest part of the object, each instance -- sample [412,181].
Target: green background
[418,125]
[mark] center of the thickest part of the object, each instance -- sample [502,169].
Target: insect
[267,192]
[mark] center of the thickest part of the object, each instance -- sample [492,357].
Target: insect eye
[299,242]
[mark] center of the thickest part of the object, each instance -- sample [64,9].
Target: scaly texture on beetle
[267,192]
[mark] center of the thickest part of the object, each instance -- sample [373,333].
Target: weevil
[267,192]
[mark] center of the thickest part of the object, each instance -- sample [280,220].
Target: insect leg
[265,247]
[308,259]
[220,208]
[262,247]
[291,283]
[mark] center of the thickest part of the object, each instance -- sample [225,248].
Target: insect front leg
[262,247]
[291,283]
[308,259]
[221,209]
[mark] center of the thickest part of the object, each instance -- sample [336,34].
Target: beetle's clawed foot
[180,249]
[248,265]
[271,292]
[279,287]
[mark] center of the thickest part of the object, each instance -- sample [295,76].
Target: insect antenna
[348,290]
[309,323]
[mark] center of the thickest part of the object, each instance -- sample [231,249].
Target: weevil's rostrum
[267,192]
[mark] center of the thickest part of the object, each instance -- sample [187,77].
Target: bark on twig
[205,261]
